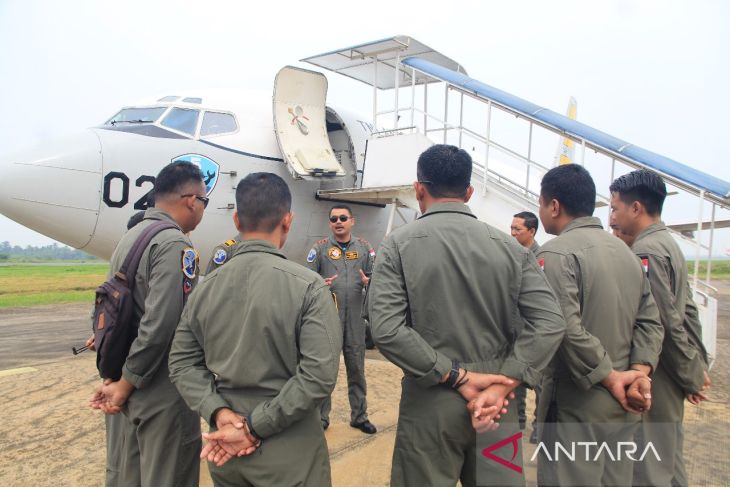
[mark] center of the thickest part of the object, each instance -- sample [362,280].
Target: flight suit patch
[312,255]
[229,243]
[334,253]
[352,255]
[645,265]
[541,263]
[220,256]
[190,262]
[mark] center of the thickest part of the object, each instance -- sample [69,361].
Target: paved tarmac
[49,437]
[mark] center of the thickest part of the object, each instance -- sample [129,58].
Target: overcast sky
[652,72]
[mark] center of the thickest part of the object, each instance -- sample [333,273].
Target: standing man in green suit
[346,263]
[613,335]
[257,350]
[157,438]
[446,292]
[523,229]
[637,199]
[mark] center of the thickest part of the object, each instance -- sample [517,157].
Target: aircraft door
[300,124]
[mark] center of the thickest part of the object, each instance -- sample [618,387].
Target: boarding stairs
[430,99]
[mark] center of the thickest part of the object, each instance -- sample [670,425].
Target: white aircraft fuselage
[82,190]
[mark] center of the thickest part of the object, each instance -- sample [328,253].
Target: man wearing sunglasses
[155,438]
[346,262]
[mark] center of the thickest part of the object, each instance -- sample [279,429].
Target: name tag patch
[351,255]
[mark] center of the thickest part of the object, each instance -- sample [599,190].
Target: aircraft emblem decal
[208,167]
[297,113]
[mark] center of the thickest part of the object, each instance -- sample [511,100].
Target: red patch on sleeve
[541,263]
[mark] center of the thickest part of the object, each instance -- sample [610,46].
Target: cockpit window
[193,100]
[136,115]
[182,119]
[217,123]
[169,98]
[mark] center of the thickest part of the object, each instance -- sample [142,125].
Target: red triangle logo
[512,440]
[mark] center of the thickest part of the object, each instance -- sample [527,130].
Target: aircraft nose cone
[53,188]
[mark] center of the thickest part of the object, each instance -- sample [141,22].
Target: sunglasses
[203,199]
[342,218]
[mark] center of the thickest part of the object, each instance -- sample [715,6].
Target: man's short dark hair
[341,206]
[262,200]
[529,218]
[135,219]
[573,187]
[445,170]
[644,186]
[175,176]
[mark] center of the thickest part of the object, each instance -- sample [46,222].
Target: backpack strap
[128,270]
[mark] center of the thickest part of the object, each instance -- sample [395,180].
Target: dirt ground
[49,437]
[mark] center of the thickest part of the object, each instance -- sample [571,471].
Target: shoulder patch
[220,256]
[190,262]
[324,240]
[312,255]
[229,243]
[541,263]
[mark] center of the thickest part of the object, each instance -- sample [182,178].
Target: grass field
[29,285]
[720,269]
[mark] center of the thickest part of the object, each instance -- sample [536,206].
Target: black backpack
[114,325]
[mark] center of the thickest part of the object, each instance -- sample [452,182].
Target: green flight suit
[682,361]
[612,322]
[260,335]
[521,391]
[159,434]
[449,287]
[327,258]
[222,253]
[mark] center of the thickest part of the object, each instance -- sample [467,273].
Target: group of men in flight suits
[607,330]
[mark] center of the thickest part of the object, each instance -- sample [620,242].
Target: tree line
[53,251]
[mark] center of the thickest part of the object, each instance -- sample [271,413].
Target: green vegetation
[54,283]
[16,253]
[29,285]
[720,269]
